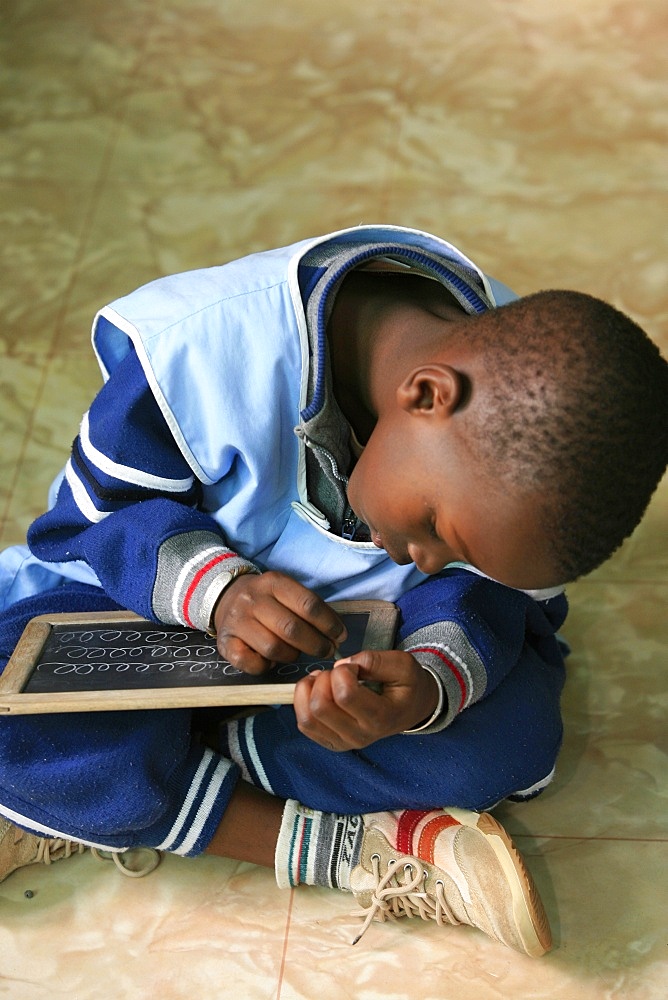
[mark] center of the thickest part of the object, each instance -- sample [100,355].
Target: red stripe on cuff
[453,669]
[196,580]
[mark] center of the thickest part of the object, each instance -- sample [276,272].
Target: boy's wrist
[222,583]
[441,706]
[194,567]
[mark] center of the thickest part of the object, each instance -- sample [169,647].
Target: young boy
[364,415]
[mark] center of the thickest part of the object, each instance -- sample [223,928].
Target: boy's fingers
[279,618]
[309,724]
[335,712]
[242,656]
[307,606]
[292,635]
[301,621]
[338,710]
[385,666]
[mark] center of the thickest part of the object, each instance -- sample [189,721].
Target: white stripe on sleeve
[124,472]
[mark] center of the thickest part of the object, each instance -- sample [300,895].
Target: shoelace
[393,898]
[53,850]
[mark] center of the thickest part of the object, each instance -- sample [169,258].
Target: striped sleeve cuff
[445,650]
[193,570]
[206,783]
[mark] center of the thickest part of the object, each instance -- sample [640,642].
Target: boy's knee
[505,746]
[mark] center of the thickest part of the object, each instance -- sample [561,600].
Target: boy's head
[575,407]
[552,434]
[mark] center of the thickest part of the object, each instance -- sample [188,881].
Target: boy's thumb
[366,667]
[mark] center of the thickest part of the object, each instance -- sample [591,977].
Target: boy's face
[424,502]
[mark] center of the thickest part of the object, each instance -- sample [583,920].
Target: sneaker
[19,848]
[451,866]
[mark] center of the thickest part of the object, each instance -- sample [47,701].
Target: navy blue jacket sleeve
[471,631]
[128,506]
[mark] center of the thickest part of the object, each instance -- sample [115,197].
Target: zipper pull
[349,526]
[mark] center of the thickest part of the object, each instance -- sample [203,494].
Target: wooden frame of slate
[116,660]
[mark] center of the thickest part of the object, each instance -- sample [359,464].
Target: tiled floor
[140,138]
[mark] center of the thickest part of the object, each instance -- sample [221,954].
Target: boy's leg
[111,780]
[78,777]
[501,746]
[250,827]
[450,864]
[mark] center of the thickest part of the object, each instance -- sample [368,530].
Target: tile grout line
[288,922]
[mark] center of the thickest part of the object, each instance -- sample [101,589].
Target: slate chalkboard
[117,660]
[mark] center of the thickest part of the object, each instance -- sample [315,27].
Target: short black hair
[576,412]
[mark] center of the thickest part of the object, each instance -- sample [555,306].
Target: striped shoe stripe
[429,835]
[303,852]
[297,832]
[297,862]
[336,850]
[408,821]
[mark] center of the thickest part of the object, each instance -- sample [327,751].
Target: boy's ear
[435,388]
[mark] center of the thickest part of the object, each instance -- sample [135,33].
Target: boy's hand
[264,619]
[337,711]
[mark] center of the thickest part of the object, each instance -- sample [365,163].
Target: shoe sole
[530,917]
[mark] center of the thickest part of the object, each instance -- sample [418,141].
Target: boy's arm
[458,627]
[127,506]
[470,632]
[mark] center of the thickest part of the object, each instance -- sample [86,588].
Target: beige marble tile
[607,921]
[20,383]
[44,420]
[20,389]
[50,177]
[611,775]
[203,925]
[189,928]
[140,140]
[146,231]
